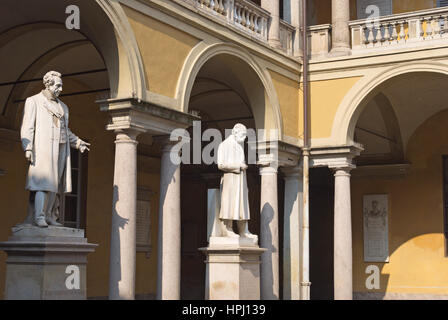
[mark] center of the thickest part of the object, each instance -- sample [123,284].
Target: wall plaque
[376,234]
[143,225]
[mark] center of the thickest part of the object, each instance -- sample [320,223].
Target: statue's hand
[29,156]
[244,167]
[84,146]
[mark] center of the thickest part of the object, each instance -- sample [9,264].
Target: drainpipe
[305,284]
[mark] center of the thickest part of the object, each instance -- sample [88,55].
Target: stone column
[269,234]
[273,6]
[343,273]
[292,232]
[169,236]
[123,242]
[340,34]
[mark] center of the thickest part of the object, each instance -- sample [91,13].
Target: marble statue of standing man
[46,140]
[234,191]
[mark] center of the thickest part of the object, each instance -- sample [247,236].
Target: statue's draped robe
[234,192]
[41,134]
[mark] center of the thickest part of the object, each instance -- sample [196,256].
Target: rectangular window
[384,8]
[445,202]
[73,205]
[442,3]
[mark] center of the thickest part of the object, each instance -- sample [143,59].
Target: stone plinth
[233,269]
[46,263]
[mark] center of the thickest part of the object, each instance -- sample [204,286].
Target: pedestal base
[233,270]
[46,263]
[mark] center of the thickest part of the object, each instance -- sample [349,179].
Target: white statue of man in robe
[234,191]
[46,140]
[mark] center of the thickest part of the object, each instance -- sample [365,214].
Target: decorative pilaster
[169,236]
[123,233]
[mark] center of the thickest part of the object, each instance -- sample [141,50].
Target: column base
[233,270]
[275,43]
[37,261]
[340,52]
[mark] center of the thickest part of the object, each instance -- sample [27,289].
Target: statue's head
[240,132]
[53,83]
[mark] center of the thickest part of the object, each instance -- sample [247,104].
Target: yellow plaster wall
[320,11]
[163,49]
[325,98]
[99,195]
[401,6]
[416,241]
[287,92]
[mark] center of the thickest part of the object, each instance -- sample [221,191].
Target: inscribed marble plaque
[376,234]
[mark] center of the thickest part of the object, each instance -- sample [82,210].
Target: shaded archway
[401,123]
[97,61]
[226,89]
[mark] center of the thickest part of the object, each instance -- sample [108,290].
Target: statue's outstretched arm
[73,139]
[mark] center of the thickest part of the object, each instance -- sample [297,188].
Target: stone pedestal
[46,263]
[233,269]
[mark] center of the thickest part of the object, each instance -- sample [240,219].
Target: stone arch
[105,24]
[203,53]
[357,98]
[128,46]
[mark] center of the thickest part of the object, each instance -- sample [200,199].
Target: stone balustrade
[240,13]
[408,30]
[215,6]
[249,18]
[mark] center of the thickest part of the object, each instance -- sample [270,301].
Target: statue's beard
[56,93]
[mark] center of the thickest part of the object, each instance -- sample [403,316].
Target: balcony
[399,32]
[247,17]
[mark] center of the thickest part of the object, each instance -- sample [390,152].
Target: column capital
[291,173]
[156,116]
[343,171]
[127,135]
[167,142]
[268,164]
[268,170]
[338,157]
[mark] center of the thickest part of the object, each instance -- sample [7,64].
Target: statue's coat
[41,133]
[234,192]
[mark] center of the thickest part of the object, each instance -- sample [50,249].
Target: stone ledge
[27,230]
